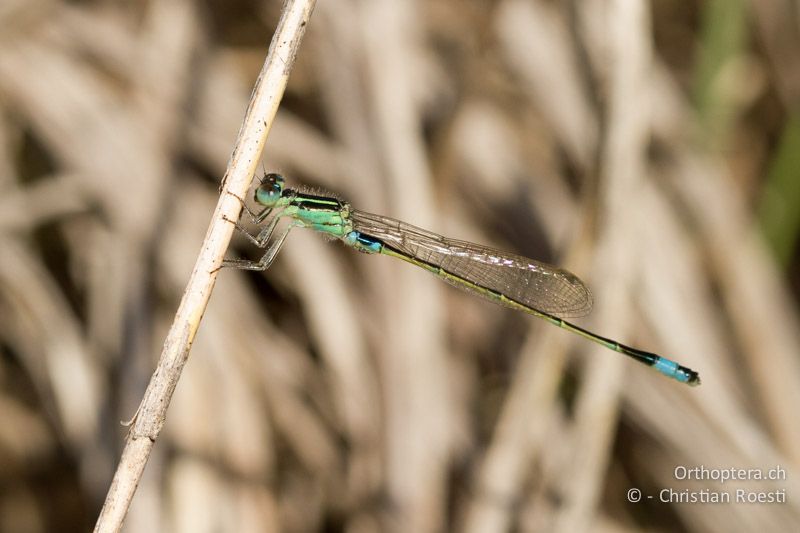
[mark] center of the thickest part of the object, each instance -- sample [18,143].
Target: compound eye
[269,192]
[274,180]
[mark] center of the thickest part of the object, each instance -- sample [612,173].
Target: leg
[257,218]
[265,261]
[263,236]
[260,216]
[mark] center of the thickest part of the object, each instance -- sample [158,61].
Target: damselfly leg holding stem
[523,284]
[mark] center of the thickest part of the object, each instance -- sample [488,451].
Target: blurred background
[652,148]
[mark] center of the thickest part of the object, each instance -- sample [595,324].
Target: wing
[534,284]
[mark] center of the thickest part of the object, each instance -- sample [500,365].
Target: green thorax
[321,213]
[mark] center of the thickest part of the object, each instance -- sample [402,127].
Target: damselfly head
[269,192]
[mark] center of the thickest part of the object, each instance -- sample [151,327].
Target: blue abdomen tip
[671,369]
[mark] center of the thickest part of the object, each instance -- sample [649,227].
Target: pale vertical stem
[246,154]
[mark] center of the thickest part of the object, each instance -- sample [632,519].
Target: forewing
[532,283]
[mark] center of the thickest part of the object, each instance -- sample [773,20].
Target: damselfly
[517,282]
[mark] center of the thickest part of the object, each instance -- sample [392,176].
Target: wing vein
[532,283]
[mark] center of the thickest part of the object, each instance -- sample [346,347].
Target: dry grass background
[340,392]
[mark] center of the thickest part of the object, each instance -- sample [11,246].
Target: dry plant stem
[261,112]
